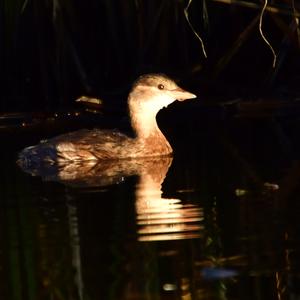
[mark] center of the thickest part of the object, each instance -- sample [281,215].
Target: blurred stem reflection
[42,261]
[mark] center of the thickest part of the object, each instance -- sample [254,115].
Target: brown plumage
[148,95]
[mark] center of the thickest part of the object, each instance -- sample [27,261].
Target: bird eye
[161,86]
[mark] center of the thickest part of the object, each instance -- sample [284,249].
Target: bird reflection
[158,218]
[161,218]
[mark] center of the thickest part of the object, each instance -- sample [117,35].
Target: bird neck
[144,123]
[148,134]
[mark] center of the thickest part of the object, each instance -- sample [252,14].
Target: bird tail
[33,158]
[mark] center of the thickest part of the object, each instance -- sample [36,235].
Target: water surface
[210,223]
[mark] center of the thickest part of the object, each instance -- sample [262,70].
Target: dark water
[203,225]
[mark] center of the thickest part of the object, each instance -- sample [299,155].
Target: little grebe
[148,95]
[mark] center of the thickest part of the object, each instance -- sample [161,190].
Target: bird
[149,94]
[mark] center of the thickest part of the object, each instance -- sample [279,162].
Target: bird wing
[91,144]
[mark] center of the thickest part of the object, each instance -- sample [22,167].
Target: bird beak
[181,95]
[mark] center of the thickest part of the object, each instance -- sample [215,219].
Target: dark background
[52,52]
